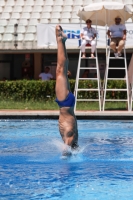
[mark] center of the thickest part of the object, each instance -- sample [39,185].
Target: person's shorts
[117,40]
[68,102]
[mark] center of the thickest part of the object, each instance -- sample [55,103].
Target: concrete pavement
[54,114]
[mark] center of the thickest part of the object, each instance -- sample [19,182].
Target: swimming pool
[31,166]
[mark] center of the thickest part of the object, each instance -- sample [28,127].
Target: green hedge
[42,90]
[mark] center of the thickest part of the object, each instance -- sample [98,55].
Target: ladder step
[87,99]
[88,78]
[116,89]
[90,89]
[117,57]
[116,100]
[88,58]
[117,68]
[116,79]
[88,68]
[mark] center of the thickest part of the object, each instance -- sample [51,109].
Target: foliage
[116,84]
[45,90]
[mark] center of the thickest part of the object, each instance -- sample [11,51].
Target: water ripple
[31,166]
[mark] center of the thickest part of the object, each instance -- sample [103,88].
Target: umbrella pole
[80,29]
[106,33]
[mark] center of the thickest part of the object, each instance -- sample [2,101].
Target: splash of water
[71,155]
[61,147]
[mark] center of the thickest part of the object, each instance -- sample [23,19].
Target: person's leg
[120,46]
[113,45]
[93,47]
[84,42]
[62,86]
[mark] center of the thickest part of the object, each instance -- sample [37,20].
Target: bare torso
[68,124]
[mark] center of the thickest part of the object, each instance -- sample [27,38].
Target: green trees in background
[42,90]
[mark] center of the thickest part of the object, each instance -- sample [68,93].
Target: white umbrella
[103,13]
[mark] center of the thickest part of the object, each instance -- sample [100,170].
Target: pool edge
[36,114]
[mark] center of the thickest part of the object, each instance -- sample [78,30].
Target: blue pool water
[31,166]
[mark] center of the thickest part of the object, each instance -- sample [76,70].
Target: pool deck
[54,114]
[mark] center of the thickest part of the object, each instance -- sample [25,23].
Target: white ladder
[130,79]
[106,79]
[77,89]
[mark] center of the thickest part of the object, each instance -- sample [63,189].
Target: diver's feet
[59,34]
[57,31]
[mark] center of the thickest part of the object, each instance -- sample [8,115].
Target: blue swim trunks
[68,102]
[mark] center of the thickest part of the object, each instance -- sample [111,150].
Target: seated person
[88,35]
[45,76]
[117,33]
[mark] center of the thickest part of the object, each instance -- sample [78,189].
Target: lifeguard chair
[106,79]
[97,78]
[103,12]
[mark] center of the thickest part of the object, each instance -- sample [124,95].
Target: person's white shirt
[88,32]
[45,76]
[117,30]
